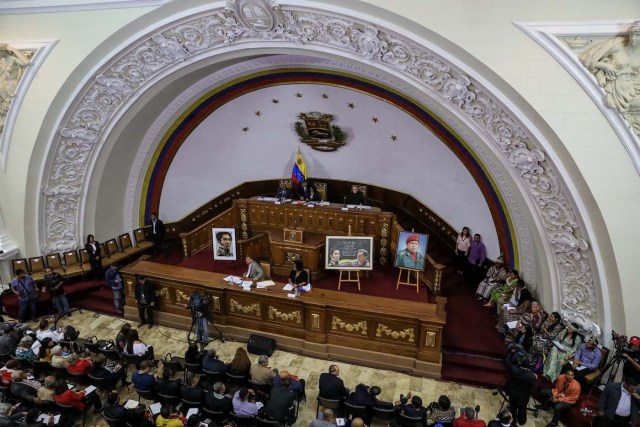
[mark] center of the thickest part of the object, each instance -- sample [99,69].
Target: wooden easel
[346,277]
[409,281]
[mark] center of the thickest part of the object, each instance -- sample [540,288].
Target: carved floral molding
[219,29]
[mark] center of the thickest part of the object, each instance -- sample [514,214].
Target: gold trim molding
[287,317]
[431,339]
[408,333]
[246,309]
[336,323]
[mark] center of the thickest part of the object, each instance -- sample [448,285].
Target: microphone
[345,200]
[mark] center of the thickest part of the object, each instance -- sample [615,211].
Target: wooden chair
[589,379]
[114,251]
[141,239]
[334,404]
[236,381]
[106,259]
[36,266]
[127,245]
[19,264]
[191,369]
[357,411]
[383,414]
[72,262]
[84,260]
[321,188]
[266,268]
[406,421]
[146,394]
[55,262]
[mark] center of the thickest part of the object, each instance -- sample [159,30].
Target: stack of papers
[155,408]
[131,404]
[287,287]
[45,418]
[265,283]
[560,346]
[235,280]
[512,325]
[192,411]
[89,389]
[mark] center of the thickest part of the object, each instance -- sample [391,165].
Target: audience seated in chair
[144,379]
[166,418]
[24,389]
[588,357]
[78,365]
[166,385]
[261,373]
[325,420]
[217,400]
[191,391]
[241,364]
[78,400]
[496,275]
[112,374]
[564,394]
[211,362]
[469,418]
[46,393]
[331,386]
[244,403]
[413,408]
[442,411]
[280,406]
[134,417]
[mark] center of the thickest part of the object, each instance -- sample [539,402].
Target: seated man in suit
[355,197]
[261,373]
[144,379]
[166,385]
[217,400]
[280,405]
[331,386]
[412,408]
[191,392]
[283,192]
[211,362]
[303,189]
[254,271]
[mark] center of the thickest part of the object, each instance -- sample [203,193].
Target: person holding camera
[146,298]
[520,383]
[631,367]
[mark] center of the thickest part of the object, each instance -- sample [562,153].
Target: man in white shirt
[619,403]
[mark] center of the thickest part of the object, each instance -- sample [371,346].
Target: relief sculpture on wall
[13,64]
[615,63]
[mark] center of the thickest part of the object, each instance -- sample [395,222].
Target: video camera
[520,357]
[622,345]
[199,305]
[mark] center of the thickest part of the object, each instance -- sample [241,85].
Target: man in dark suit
[356,197]
[619,403]
[303,189]
[157,233]
[283,192]
[520,383]
[280,406]
[331,386]
[146,298]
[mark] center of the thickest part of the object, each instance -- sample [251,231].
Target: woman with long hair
[543,340]
[298,276]
[569,340]
[121,338]
[137,347]
[240,365]
[463,243]
[44,353]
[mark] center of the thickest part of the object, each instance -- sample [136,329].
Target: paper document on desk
[287,287]
[307,288]
[560,346]
[265,283]
[235,280]
[246,283]
[155,408]
[131,404]
[192,411]
[512,325]
[580,368]
[45,418]
[359,207]
[90,389]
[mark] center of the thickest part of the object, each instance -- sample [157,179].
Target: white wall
[219,153]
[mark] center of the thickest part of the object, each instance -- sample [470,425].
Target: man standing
[631,367]
[331,386]
[27,291]
[410,257]
[157,233]
[564,395]
[477,255]
[53,282]
[619,403]
[115,280]
[224,244]
[520,383]
[146,298]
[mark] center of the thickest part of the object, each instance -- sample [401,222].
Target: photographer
[631,355]
[199,306]
[520,382]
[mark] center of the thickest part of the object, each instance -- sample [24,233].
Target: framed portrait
[224,243]
[349,253]
[412,249]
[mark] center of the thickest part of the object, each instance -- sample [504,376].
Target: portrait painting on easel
[412,249]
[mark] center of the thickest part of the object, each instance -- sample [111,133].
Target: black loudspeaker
[261,345]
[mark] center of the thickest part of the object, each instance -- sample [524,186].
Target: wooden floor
[168,340]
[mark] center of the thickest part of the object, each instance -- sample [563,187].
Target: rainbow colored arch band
[207,104]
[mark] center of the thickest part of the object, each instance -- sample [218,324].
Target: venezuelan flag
[299,171]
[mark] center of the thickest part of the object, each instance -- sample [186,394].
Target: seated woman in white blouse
[136,347]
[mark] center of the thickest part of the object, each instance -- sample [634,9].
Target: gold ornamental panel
[315,321]
[296,316]
[181,297]
[431,339]
[216,303]
[129,285]
[236,307]
[407,334]
[337,323]
[164,294]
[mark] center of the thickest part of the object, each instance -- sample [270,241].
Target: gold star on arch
[394,138]
[257,113]
[298,95]
[351,105]
[275,101]
[325,96]
[245,129]
[374,119]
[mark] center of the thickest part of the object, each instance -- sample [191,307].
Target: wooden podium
[292,235]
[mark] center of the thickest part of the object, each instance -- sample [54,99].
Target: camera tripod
[200,323]
[505,403]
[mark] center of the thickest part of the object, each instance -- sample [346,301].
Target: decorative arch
[212,29]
